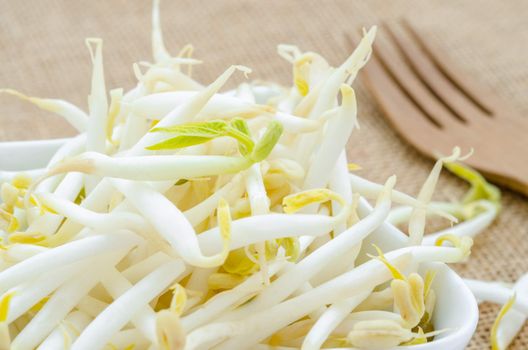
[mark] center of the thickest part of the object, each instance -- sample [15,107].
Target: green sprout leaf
[267,142]
[189,134]
[179,141]
[240,125]
[192,134]
[239,130]
[210,128]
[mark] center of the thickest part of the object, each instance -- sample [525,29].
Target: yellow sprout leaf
[505,308]
[295,202]
[237,262]
[244,261]
[301,70]
[291,247]
[21,181]
[179,299]
[353,167]
[4,306]
[302,86]
[463,243]
[13,224]
[396,274]
[480,190]
[26,238]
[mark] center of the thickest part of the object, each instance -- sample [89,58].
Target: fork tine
[428,102]
[404,115]
[476,92]
[453,96]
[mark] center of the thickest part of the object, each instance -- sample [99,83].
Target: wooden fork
[435,106]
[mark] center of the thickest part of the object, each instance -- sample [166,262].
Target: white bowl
[456,308]
[25,155]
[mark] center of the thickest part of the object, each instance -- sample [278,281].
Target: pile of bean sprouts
[182,217]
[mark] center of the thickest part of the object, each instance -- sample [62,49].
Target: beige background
[42,53]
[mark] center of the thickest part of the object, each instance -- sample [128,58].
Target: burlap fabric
[42,53]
